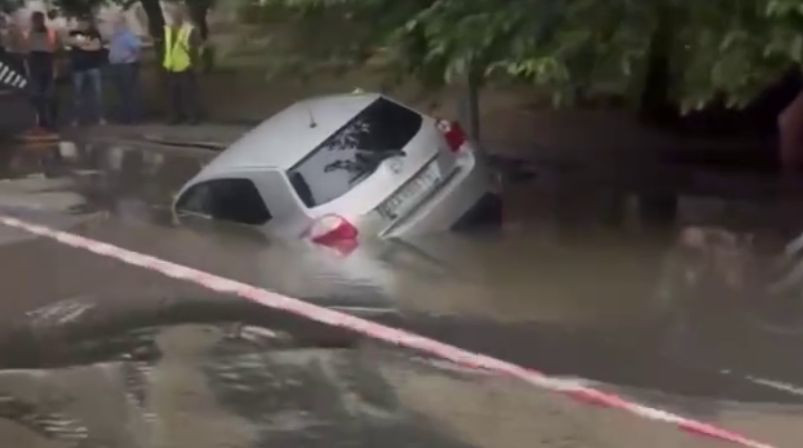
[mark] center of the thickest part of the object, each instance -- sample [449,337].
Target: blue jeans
[126,82]
[42,88]
[88,102]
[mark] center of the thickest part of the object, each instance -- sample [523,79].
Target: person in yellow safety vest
[180,59]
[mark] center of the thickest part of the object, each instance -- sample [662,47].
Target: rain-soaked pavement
[655,294]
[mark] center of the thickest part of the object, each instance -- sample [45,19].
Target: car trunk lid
[388,159]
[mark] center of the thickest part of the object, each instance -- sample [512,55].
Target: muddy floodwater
[660,293]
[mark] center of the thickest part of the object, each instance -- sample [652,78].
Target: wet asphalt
[590,278]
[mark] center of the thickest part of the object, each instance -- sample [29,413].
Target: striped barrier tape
[383,333]
[9,77]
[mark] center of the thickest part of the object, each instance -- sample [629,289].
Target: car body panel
[430,185]
[287,137]
[390,175]
[463,188]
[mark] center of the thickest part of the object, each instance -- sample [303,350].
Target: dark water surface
[653,291]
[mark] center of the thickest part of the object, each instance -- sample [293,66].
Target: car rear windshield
[354,152]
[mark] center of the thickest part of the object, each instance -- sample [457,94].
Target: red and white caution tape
[382,333]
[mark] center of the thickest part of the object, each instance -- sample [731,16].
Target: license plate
[411,194]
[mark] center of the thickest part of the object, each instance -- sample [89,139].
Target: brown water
[589,278]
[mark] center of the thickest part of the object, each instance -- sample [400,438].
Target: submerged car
[340,168]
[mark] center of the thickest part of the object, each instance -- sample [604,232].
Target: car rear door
[289,219]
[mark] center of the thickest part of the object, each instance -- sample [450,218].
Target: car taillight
[453,133]
[335,232]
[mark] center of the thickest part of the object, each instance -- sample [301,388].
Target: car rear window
[354,152]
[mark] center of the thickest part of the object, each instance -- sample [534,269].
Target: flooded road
[650,293]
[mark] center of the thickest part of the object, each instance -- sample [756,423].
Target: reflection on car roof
[284,139]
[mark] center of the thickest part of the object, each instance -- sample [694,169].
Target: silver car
[337,169]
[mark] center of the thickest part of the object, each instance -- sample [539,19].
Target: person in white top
[42,45]
[125,50]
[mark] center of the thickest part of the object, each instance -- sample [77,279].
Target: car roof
[287,137]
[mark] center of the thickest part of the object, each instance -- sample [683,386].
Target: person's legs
[183,100]
[128,82]
[42,91]
[38,98]
[78,81]
[122,82]
[51,99]
[135,105]
[190,96]
[174,87]
[117,78]
[54,105]
[96,80]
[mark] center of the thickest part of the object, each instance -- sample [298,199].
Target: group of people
[47,55]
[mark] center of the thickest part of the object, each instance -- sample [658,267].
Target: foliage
[78,7]
[733,49]
[331,33]
[197,8]
[9,5]
[718,50]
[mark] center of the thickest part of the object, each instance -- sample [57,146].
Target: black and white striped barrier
[10,77]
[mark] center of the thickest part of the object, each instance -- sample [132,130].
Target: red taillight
[453,133]
[335,232]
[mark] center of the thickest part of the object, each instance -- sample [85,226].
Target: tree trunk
[474,107]
[790,129]
[198,11]
[655,104]
[156,23]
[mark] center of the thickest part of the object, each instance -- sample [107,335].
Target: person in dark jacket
[87,57]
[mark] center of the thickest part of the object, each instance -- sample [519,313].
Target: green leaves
[718,50]
[79,7]
[783,8]
[10,5]
[733,50]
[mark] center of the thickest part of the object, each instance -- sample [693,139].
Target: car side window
[236,200]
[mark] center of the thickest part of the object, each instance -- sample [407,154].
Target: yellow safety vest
[177,49]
